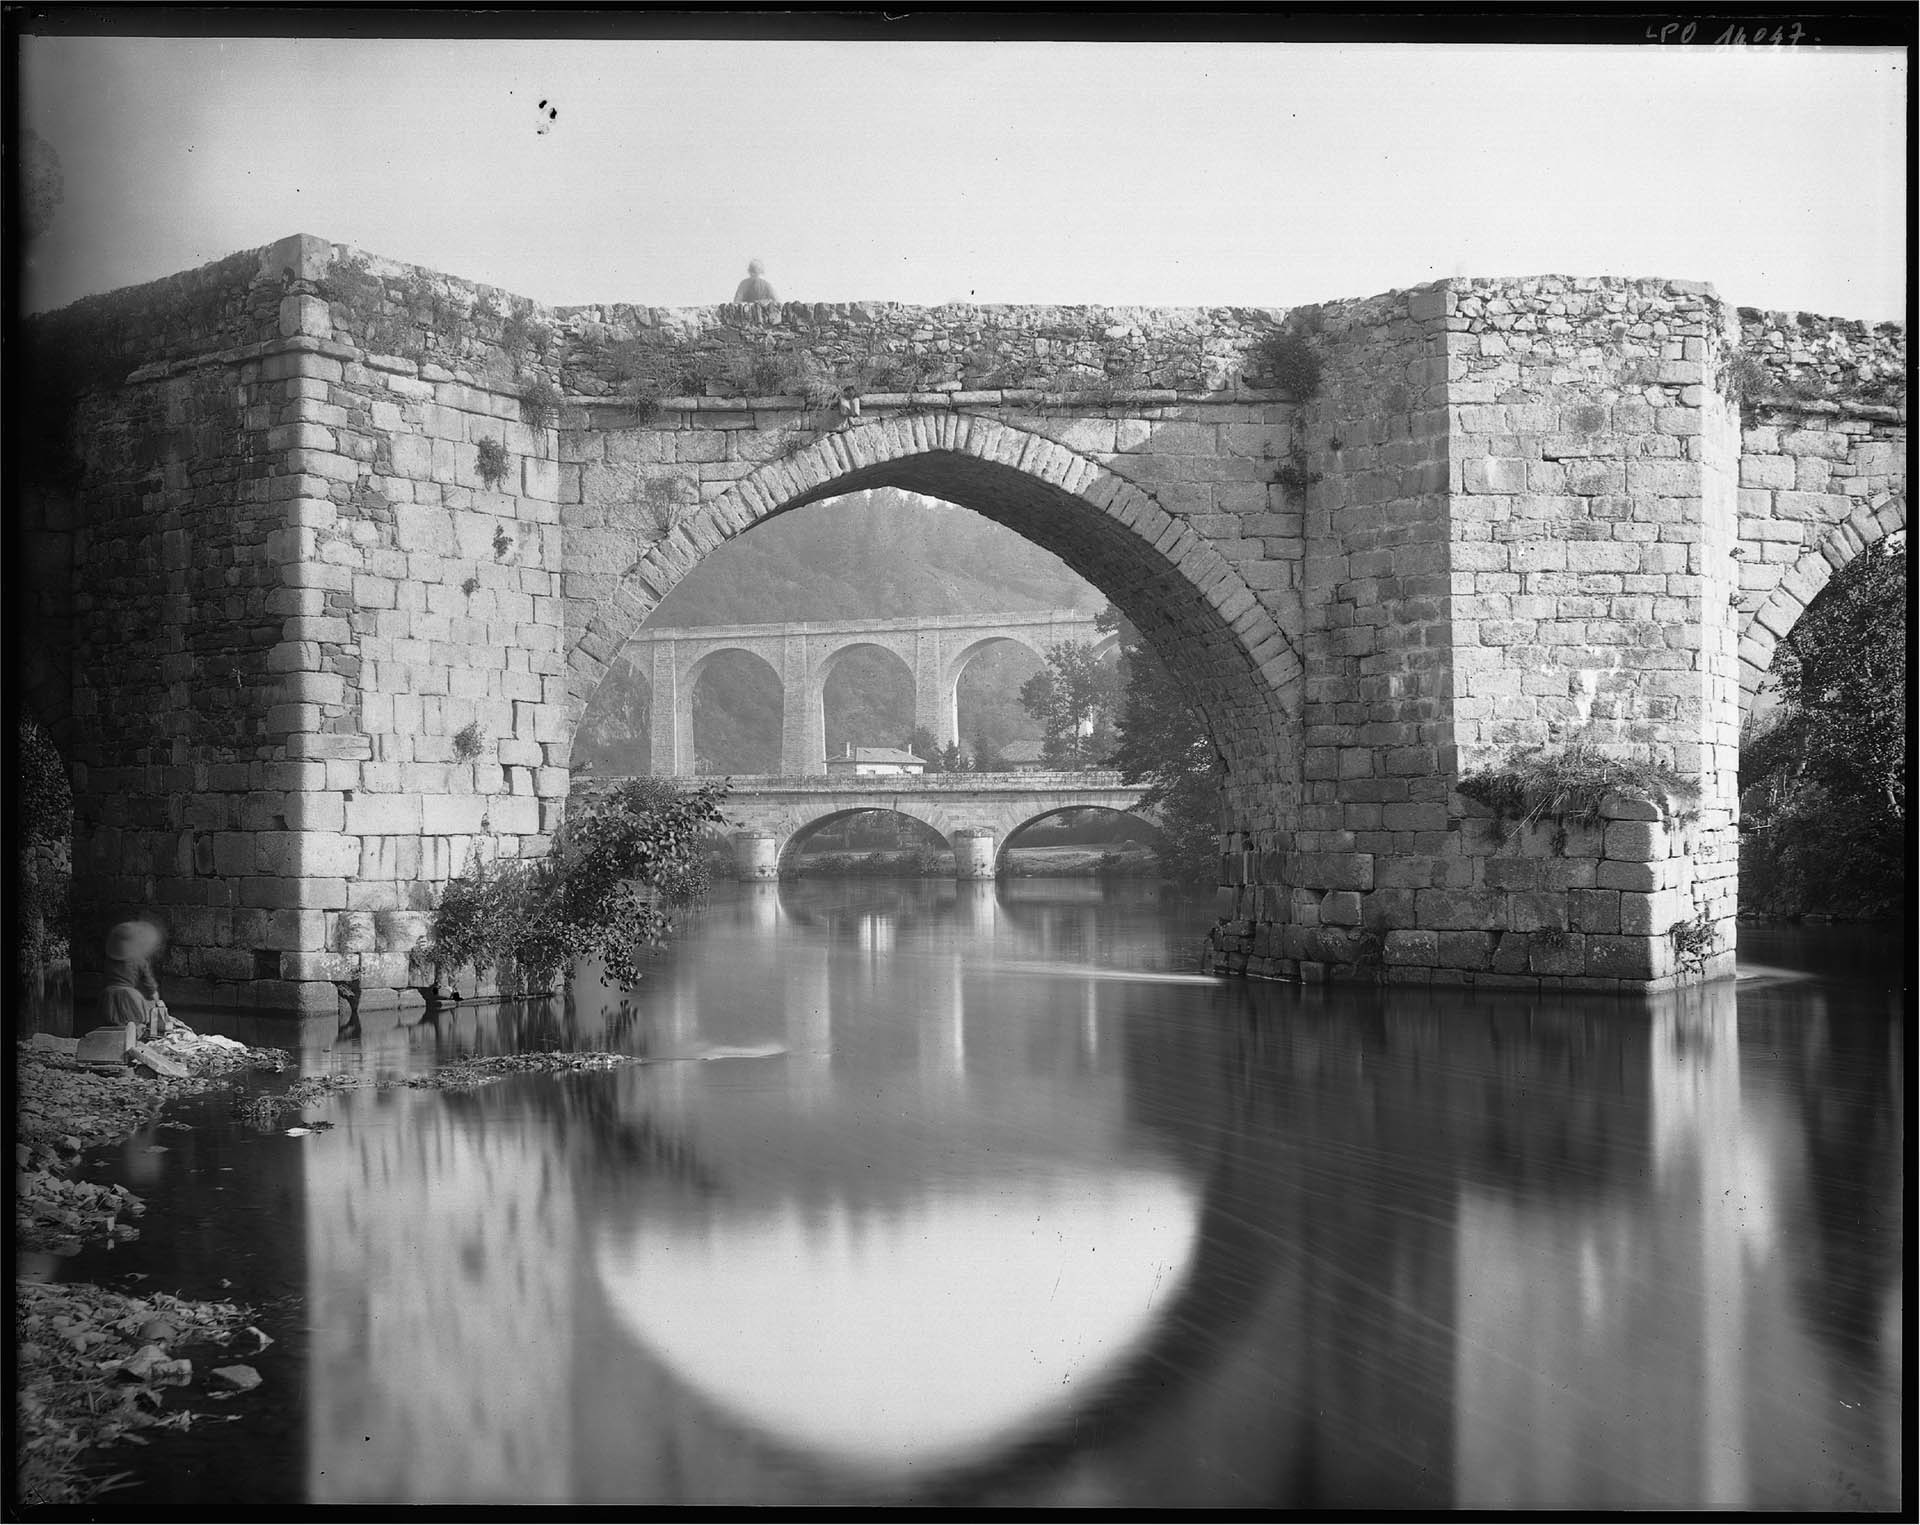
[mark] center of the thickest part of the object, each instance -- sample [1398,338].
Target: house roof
[879,755]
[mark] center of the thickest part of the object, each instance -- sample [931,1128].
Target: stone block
[1408,947]
[1626,958]
[327,854]
[452,815]
[1593,910]
[1464,950]
[234,853]
[323,965]
[1536,911]
[387,972]
[107,1045]
[1331,870]
[1557,953]
[1632,878]
[1635,841]
[1341,908]
[383,814]
[1461,910]
[1652,914]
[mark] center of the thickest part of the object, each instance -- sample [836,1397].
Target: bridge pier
[973,853]
[756,856]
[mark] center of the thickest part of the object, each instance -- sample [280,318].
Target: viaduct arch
[323,581]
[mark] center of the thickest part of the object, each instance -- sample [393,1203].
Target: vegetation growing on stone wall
[540,402]
[522,334]
[1823,782]
[1287,358]
[492,461]
[1293,473]
[1569,786]
[612,883]
[468,741]
[1693,941]
[402,315]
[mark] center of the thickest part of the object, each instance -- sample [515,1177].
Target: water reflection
[936,1196]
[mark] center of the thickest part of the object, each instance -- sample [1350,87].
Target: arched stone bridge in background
[973,813]
[934,651]
[323,557]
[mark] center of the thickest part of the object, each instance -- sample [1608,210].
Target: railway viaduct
[801,655]
[326,555]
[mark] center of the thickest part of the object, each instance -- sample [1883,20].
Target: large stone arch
[1780,611]
[1017,823]
[1186,599]
[935,819]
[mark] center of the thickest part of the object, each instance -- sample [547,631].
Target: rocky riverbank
[96,1366]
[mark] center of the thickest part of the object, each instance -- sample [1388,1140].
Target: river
[980,1195]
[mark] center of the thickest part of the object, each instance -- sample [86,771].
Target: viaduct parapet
[327,554]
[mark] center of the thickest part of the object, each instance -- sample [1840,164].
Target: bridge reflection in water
[1018,1213]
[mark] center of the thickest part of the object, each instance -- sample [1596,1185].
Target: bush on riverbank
[612,882]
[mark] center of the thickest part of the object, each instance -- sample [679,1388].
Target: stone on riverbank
[86,1377]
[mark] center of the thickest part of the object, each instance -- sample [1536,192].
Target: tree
[924,747]
[952,759]
[1826,779]
[1073,698]
[1165,743]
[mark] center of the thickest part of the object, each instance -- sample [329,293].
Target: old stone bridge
[934,651]
[327,554]
[974,813]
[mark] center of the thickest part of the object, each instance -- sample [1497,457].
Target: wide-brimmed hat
[133,939]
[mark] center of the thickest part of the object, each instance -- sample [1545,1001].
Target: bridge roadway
[974,813]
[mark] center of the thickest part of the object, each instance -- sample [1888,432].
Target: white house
[870,760]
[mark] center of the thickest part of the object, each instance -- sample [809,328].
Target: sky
[1152,173]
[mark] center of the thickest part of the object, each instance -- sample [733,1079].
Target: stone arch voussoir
[1780,611]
